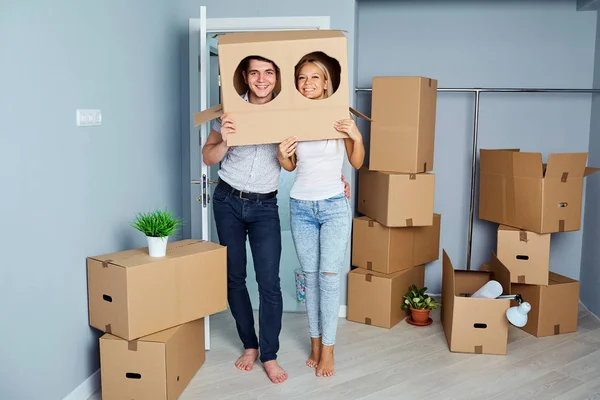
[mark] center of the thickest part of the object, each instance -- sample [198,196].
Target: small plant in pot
[157,225]
[420,305]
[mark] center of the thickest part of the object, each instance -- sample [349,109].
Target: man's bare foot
[246,361]
[325,367]
[315,352]
[275,373]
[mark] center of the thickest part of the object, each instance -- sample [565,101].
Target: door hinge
[199,63]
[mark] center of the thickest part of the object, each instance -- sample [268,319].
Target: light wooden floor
[406,362]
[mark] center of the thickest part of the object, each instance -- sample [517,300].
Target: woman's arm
[354,144]
[286,155]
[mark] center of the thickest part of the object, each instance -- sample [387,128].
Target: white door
[203,78]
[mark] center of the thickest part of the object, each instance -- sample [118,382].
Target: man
[245,202]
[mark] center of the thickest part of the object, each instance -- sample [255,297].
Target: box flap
[562,166]
[590,170]
[496,161]
[277,36]
[208,114]
[527,165]
[359,114]
[500,273]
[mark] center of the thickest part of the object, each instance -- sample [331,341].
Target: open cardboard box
[289,113]
[519,190]
[474,325]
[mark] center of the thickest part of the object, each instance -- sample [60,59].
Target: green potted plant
[157,225]
[420,305]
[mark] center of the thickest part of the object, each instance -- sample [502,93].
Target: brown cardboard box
[376,299]
[403,128]
[155,367]
[387,250]
[554,308]
[518,190]
[396,200]
[525,254]
[289,113]
[474,325]
[132,294]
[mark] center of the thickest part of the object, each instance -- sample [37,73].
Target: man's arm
[214,149]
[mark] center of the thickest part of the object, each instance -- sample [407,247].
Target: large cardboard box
[155,367]
[132,294]
[376,299]
[403,110]
[554,308]
[396,200]
[517,189]
[474,325]
[289,113]
[525,254]
[387,250]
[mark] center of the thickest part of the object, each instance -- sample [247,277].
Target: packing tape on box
[521,279]
[523,236]
[105,263]
[369,265]
[561,225]
[478,349]
[412,177]
[108,328]
[425,167]
[367,321]
[409,222]
[132,345]
[371,224]
[564,177]
[368,277]
[557,329]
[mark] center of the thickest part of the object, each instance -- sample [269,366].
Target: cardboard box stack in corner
[399,232]
[532,200]
[152,312]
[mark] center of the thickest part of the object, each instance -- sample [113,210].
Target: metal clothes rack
[477,92]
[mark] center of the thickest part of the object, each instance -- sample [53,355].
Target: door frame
[199,28]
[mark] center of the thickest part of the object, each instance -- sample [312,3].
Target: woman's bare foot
[325,367]
[246,360]
[275,373]
[315,352]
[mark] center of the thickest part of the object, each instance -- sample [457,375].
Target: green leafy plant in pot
[157,225]
[420,305]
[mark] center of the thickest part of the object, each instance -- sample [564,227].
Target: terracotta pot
[419,316]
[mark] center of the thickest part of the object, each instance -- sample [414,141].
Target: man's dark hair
[246,62]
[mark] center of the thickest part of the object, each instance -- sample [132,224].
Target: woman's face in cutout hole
[312,82]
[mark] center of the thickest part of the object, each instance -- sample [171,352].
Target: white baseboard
[343,312]
[87,388]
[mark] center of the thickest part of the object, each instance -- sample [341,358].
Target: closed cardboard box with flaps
[132,294]
[378,248]
[154,367]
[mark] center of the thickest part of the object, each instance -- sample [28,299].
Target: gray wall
[70,192]
[590,257]
[486,44]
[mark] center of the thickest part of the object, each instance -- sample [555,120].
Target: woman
[321,217]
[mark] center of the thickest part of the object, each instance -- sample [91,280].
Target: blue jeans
[259,219]
[321,232]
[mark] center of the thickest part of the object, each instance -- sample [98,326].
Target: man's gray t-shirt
[250,168]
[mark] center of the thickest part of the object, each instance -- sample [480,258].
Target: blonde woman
[321,216]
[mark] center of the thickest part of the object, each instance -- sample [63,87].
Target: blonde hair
[329,84]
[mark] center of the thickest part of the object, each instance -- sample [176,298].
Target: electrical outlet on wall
[89,117]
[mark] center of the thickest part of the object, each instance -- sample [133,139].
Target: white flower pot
[157,246]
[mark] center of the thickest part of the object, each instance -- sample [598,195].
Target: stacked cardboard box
[399,232]
[152,312]
[532,200]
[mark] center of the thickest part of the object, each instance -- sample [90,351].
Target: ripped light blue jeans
[321,232]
